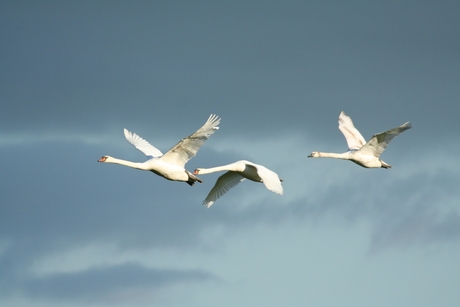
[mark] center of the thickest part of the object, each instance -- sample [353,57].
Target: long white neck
[228,167]
[345,155]
[137,165]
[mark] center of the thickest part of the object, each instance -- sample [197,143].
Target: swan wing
[354,139]
[222,185]
[188,147]
[270,179]
[380,141]
[141,144]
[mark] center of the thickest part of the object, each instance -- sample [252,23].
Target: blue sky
[76,232]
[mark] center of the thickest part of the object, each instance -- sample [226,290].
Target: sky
[74,232]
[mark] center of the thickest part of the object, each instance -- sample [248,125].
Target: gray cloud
[44,212]
[96,283]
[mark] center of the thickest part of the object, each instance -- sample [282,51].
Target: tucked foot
[385,165]
[192,178]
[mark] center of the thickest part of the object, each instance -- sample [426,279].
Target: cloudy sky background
[76,232]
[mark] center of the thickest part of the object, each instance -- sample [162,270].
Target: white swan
[237,172]
[360,152]
[171,164]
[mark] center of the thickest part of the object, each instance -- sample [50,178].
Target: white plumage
[170,165]
[237,172]
[360,152]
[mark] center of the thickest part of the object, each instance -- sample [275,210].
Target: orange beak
[102,159]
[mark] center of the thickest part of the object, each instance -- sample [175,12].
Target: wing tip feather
[127,133]
[406,125]
[213,119]
[208,203]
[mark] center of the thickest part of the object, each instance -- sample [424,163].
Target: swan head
[103,159]
[196,171]
[314,154]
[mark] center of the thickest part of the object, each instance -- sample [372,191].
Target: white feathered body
[170,165]
[366,154]
[236,173]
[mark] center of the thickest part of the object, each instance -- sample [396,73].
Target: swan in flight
[170,165]
[237,172]
[360,152]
